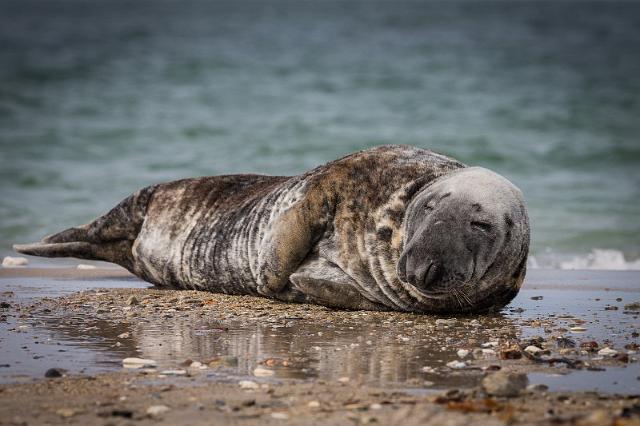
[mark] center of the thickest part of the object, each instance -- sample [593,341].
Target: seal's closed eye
[482,226]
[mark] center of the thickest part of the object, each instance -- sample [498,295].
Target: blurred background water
[99,98]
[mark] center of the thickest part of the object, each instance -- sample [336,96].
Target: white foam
[602,259]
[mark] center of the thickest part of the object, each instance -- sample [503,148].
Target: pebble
[138,363]
[505,384]
[262,372]
[462,353]
[53,373]
[532,349]
[195,364]
[313,404]
[343,380]
[607,352]
[375,406]
[577,329]
[84,266]
[12,262]
[280,416]
[124,336]
[456,365]
[490,344]
[132,301]
[174,372]
[248,384]
[156,410]
[66,412]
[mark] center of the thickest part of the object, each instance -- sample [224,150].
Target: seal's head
[466,240]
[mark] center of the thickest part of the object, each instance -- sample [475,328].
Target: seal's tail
[109,237]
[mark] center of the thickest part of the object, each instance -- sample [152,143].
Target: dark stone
[53,372]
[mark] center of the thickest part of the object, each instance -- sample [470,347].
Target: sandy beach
[564,352]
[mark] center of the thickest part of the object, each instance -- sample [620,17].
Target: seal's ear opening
[401,267]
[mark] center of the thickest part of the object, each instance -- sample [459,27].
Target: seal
[388,228]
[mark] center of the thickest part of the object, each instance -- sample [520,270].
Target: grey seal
[388,228]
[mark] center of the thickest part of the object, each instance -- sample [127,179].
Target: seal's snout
[423,274]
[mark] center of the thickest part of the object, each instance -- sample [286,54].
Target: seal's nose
[425,275]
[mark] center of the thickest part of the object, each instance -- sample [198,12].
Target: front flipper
[323,282]
[288,242]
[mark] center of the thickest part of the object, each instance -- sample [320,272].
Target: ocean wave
[602,259]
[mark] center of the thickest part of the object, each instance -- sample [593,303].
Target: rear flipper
[325,283]
[109,237]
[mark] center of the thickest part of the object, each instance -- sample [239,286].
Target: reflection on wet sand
[232,336]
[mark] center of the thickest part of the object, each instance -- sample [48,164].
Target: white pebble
[532,349]
[138,363]
[156,410]
[174,372]
[578,329]
[262,372]
[313,404]
[456,365]
[343,380]
[607,352]
[490,344]
[462,353]
[11,262]
[195,364]
[375,406]
[280,416]
[248,384]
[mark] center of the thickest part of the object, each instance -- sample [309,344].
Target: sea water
[100,98]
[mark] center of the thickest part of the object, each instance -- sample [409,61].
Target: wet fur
[332,236]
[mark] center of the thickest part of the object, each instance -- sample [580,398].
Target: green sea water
[99,98]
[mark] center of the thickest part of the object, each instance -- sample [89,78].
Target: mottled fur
[333,236]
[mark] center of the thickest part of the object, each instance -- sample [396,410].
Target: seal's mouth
[466,296]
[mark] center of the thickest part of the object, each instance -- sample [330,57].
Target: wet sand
[307,364]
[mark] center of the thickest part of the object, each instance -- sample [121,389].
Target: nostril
[431,275]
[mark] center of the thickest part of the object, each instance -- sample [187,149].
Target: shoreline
[310,364]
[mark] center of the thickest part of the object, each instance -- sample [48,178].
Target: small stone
[607,352]
[248,384]
[532,349]
[12,262]
[84,266]
[263,372]
[577,329]
[505,384]
[124,336]
[313,404]
[138,363]
[53,373]
[174,372]
[375,406]
[343,380]
[280,416]
[537,298]
[492,344]
[195,364]
[66,412]
[462,353]
[157,410]
[132,301]
[456,365]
